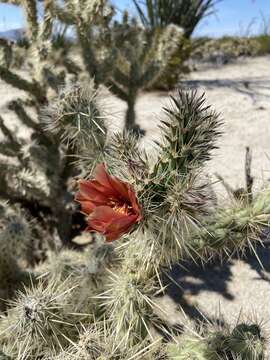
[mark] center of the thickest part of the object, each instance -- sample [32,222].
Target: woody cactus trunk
[147,213]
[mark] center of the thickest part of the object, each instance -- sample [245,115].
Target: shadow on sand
[191,279]
[256,88]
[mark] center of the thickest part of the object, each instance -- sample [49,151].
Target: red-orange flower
[110,204]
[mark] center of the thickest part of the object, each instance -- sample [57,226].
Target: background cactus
[5,53]
[16,235]
[40,178]
[109,55]
[187,14]
[142,58]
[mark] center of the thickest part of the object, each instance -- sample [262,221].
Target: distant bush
[263,42]
[224,50]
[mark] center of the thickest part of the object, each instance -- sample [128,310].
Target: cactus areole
[111,205]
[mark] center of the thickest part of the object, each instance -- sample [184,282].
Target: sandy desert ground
[240,92]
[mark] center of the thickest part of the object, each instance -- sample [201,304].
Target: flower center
[124,209]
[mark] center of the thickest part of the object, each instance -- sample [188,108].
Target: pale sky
[233,17]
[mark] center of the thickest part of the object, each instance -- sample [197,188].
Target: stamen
[122,209]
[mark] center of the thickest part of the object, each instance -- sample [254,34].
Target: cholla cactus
[16,234]
[94,343]
[39,319]
[165,209]
[234,228]
[247,342]
[192,349]
[6,353]
[185,13]
[38,35]
[149,211]
[37,172]
[220,342]
[87,269]
[78,118]
[40,177]
[5,53]
[123,56]
[142,58]
[85,16]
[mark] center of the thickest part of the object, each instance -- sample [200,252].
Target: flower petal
[110,223]
[104,215]
[119,228]
[111,182]
[88,192]
[110,203]
[120,187]
[87,207]
[101,176]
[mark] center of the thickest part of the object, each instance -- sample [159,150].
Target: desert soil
[240,92]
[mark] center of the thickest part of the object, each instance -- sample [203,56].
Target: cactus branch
[18,82]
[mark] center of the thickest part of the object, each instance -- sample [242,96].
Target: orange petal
[111,182]
[88,192]
[110,223]
[105,214]
[87,207]
[101,175]
[121,187]
[108,192]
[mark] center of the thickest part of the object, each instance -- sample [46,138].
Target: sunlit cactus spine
[129,307]
[42,178]
[6,353]
[39,319]
[95,342]
[87,268]
[244,341]
[247,342]
[175,205]
[78,117]
[144,212]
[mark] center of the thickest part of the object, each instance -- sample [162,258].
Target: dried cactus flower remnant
[110,204]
